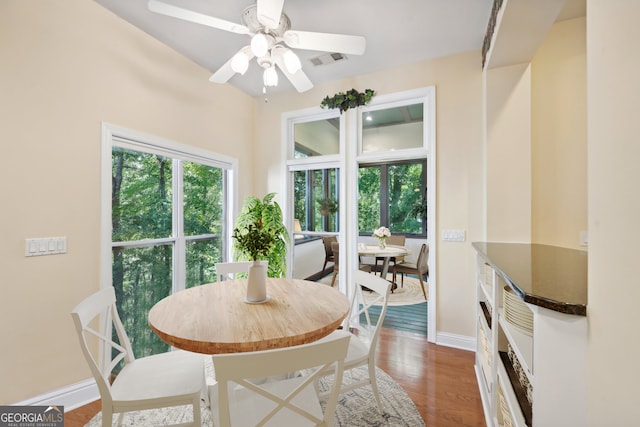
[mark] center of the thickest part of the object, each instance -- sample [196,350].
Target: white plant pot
[257,283]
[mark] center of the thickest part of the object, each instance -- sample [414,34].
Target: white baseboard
[456,341]
[71,397]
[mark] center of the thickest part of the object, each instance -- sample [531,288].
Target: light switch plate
[453,235]
[45,246]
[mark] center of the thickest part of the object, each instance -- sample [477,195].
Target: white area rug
[410,293]
[355,409]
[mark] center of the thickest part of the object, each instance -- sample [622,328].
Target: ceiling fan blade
[224,73]
[338,43]
[269,12]
[199,18]
[299,79]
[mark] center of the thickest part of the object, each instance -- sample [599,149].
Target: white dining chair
[363,328]
[294,401]
[228,270]
[162,380]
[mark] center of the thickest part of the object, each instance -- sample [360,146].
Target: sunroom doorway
[382,157]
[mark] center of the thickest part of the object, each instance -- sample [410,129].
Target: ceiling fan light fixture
[240,63]
[292,62]
[270,77]
[259,45]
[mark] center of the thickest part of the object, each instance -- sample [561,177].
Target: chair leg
[107,417]
[374,385]
[333,279]
[422,284]
[197,421]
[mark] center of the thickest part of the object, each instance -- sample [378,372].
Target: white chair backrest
[286,402]
[228,270]
[102,304]
[360,318]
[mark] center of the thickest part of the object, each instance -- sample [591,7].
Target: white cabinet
[531,376]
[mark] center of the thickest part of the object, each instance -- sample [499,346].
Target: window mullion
[384,195]
[179,247]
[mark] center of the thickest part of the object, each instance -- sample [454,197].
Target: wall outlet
[584,238]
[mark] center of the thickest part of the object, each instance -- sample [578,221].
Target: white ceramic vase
[257,283]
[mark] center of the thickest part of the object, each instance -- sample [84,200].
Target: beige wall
[613,61]
[66,66]
[508,154]
[459,192]
[536,143]
[559,136]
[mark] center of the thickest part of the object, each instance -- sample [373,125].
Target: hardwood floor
[440,381]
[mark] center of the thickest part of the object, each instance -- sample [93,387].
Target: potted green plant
[256,241]
[327,206]
[262,218]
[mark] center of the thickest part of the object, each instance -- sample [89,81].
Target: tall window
[316,199]
[313,161]
[168,229]
[391,194]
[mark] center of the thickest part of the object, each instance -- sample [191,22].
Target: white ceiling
[397,32]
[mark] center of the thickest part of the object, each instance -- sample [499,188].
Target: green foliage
[419,209]
[142,208]
[345,100]
[255,241]
[266,216]
[403,184]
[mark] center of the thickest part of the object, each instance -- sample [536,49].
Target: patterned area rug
[355,409]
[410,293]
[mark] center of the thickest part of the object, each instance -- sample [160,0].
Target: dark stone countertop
[547,276]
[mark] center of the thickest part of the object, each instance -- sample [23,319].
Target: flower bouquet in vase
[382,233]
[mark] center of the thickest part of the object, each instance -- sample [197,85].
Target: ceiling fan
[270,30]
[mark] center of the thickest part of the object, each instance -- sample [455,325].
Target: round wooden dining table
[215,318]
[385,253]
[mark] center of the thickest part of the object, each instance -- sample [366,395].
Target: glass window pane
[317,138]
[141,195]
[404,184]
[391,194]
[202,256]
[316,199]
[368,199]
[141,278]
[300,198]
[396,128]
[203,199]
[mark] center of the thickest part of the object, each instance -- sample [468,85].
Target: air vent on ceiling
[328,58]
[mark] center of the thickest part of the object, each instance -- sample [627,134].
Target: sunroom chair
[163,380]
[420,268]
[364,329]
[395,240]
[243,402]
[335,248]
[228,270]
[328,252]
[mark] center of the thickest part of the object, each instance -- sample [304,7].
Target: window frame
[116,136]
[384,192]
